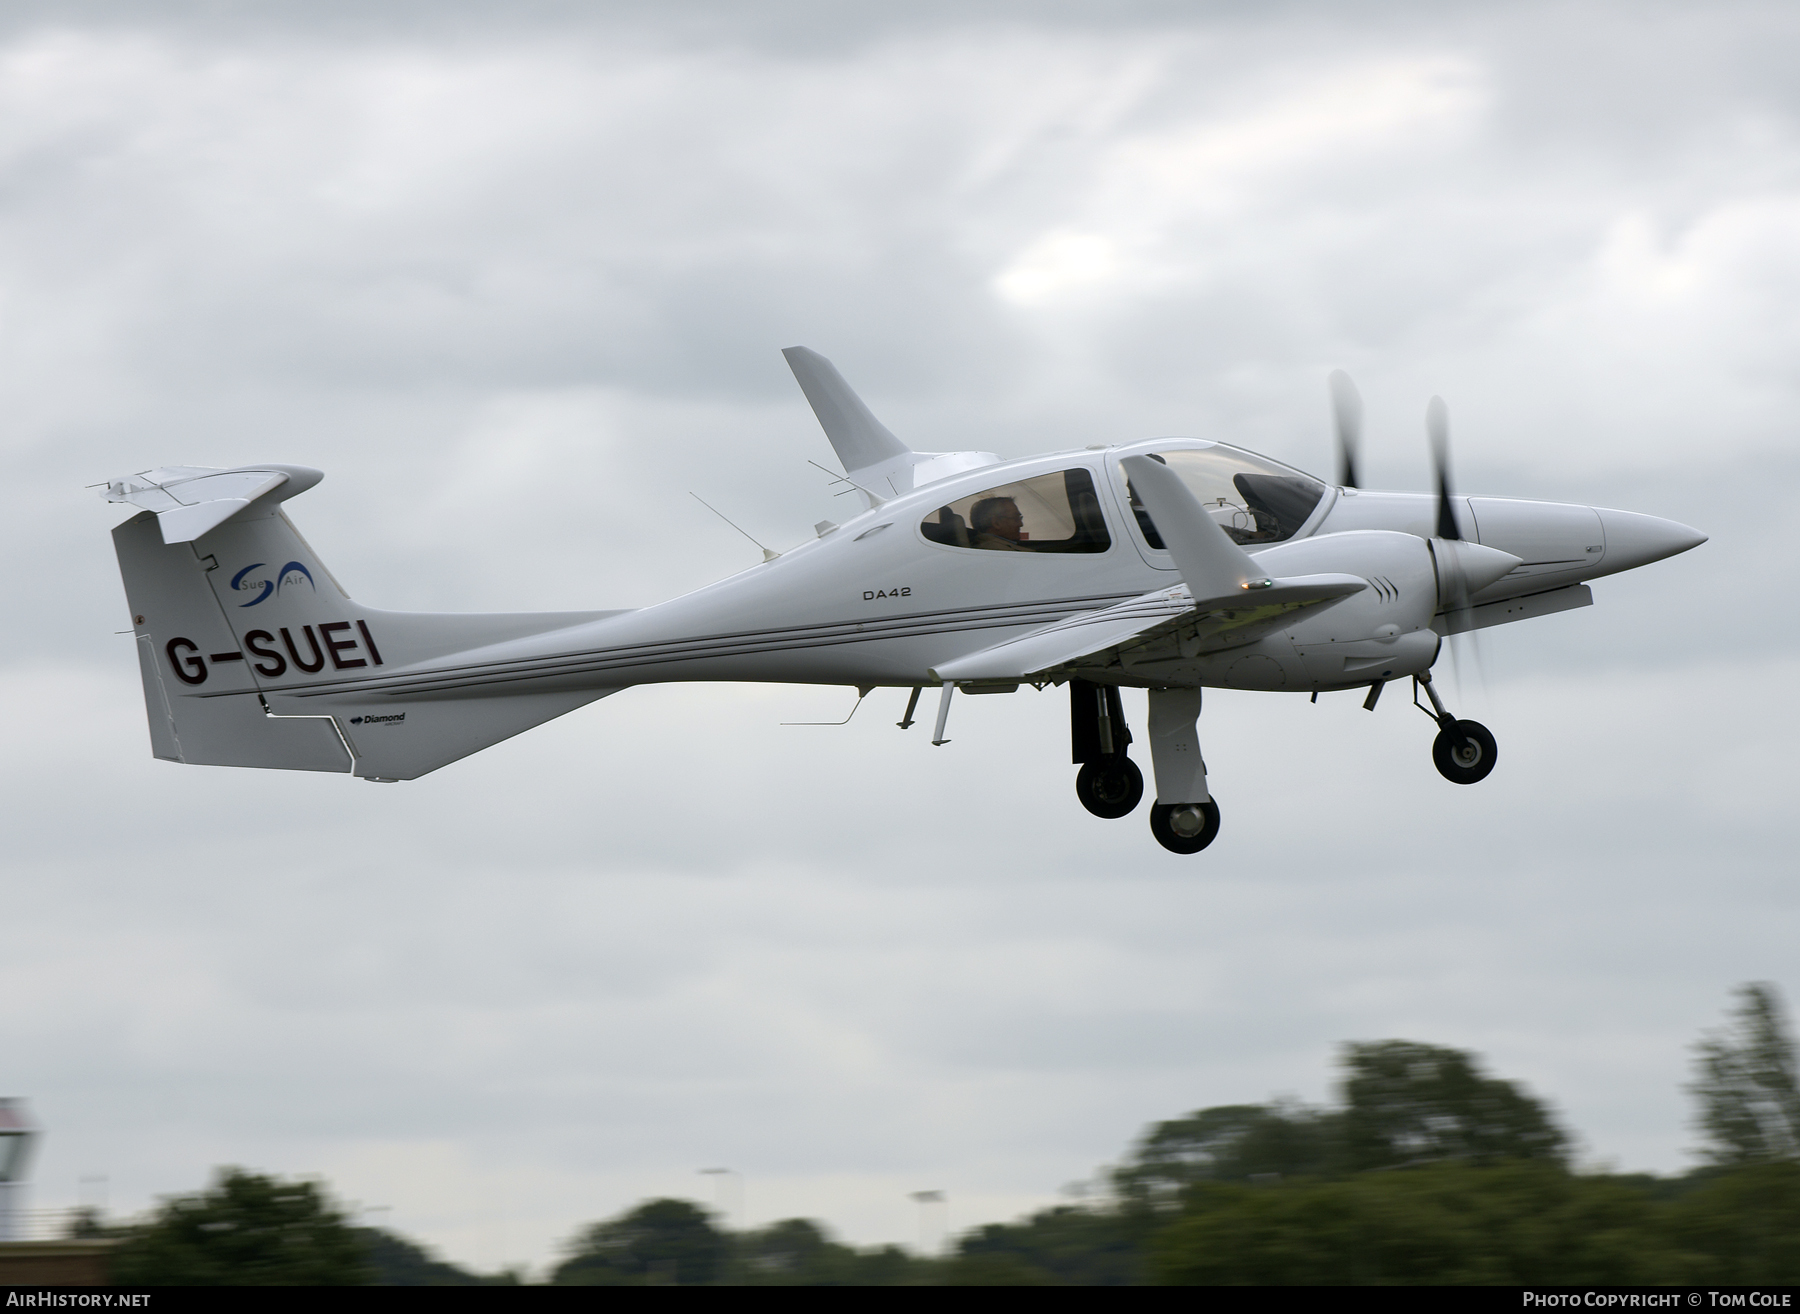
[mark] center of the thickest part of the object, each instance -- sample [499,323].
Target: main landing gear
[1185,827]
[1184,818]
[1110,784]
[1464,751]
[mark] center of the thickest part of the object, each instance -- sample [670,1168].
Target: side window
[1051,513]
[1253,499]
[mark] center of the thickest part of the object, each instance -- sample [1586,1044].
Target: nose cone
[1634,540]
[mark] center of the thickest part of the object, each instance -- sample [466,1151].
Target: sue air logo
[288,576]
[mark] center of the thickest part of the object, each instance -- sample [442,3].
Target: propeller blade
[1437,428]
[1347,415]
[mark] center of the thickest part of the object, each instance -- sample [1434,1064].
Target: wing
[1096,638]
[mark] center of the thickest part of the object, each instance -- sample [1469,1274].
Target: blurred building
[26,1257]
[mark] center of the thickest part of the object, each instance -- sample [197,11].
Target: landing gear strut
[1464,751]
[1185,818]
[1110,784]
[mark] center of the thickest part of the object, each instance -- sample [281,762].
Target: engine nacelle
[1381,633]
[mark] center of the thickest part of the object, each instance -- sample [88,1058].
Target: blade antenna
[860,695]
[1347,419]
[768,555]
[846,479]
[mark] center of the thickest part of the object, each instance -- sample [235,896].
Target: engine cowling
[1382,633]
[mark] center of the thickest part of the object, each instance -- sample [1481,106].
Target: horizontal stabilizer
[192,500]
[1209,625]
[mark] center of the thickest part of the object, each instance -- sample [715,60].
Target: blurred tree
[87,1225]
[660,1242]
[1079,1246]
[1745,1082]
[889,1266]
[246,1231]
[397,1262]
[1740,1226]
[1407,1103]
[1450,1223]
[1233,1142]
[796,1253]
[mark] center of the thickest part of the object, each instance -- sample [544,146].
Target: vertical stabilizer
[252,655]
[859,439]
[876,461]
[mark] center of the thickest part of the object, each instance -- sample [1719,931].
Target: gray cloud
[518,285]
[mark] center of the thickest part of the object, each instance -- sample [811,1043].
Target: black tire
[1162,826]
[1110,787]
[1464,754]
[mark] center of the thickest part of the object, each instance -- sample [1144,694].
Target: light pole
[729,1181]
[18,1136]
[925,1199]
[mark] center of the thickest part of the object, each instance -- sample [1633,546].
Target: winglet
[859,439]
[1210,563]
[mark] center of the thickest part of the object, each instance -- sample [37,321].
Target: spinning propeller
[1347,421]
[1347,413]
[1437,432]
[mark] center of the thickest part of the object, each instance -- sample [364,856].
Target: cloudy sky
[517,279]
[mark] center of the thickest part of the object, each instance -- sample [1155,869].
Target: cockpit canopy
[1057,512]
[1253,499]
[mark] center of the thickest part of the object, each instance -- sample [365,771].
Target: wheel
[1464,754]
[1185,827]
[1110,787]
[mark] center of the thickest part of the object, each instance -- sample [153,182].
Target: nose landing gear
[1464,751]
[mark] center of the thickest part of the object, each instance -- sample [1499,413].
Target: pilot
[998,525]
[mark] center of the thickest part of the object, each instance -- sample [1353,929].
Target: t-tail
[253,655]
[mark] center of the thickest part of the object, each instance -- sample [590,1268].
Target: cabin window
[1253,499]
[1050,513]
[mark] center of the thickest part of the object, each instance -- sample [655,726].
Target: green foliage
[1404,1104]
[397,1262]
[799,1253]
[661,1242]
[1408,1104]
[246,1231]
[1447,1224]
[1068,1244]
[1231,1143]
[1741,1227]
[993,1270]
[1745,1082]
[1520,1223]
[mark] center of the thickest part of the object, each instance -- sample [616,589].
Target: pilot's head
[998,516]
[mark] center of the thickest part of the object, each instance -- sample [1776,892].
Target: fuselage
[894,593]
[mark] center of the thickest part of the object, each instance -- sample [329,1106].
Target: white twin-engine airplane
[1170,565]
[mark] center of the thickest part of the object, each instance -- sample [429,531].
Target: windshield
[1253,499]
